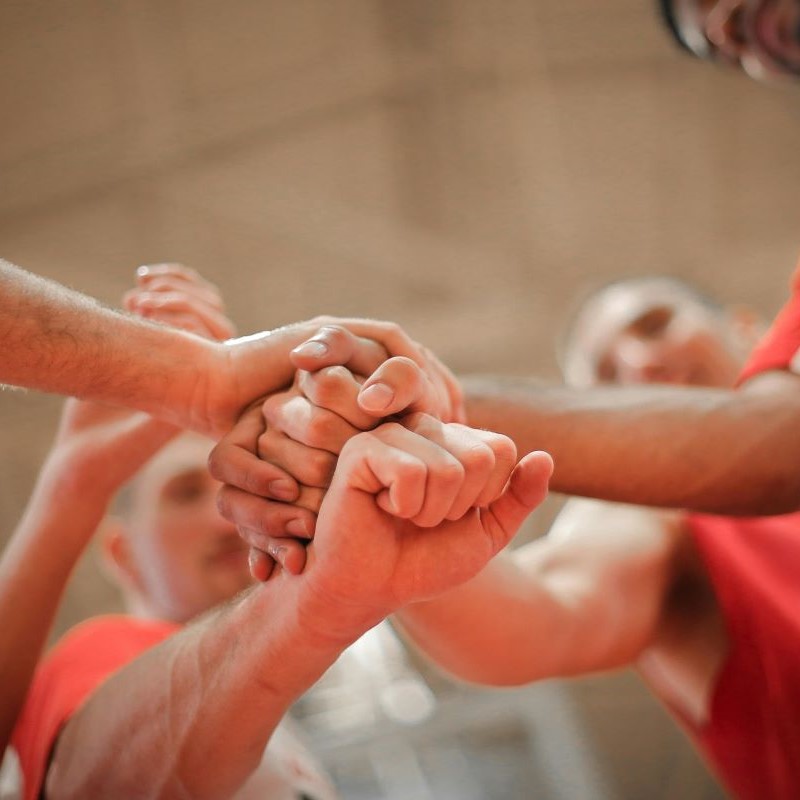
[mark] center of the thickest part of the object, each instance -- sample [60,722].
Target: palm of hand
[363,556]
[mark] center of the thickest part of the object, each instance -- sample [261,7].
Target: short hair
[564,342]
[671,21]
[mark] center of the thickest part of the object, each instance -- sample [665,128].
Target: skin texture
[97,449]
[401,502]
[60,341]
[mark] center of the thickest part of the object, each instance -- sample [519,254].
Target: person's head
[655,330]
[172,553]
[762,37]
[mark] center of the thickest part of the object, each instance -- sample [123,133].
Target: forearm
[502,628]
[721,451]
[192,716]
[34,571]
[58,340]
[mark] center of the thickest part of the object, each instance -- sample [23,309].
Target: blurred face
[184,557]
[760,36]
[651,333]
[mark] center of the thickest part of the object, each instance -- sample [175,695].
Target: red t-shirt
[67,676]
[782,341]
[753,736]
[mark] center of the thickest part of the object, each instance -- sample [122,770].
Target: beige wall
[463,167]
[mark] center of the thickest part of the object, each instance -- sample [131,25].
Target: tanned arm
[720,451]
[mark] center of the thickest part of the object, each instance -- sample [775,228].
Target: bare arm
[97,449]
[587,597]
[733,452]
[192,716]
[58,340]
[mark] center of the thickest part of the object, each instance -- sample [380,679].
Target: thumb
[525,490]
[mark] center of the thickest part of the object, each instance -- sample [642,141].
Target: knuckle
[412,472]
[504,449]
[273,409]
[319,467]
[478,458]
[450,472]
[321,425]
[329,383]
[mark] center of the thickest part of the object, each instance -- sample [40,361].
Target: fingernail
[313,349]
[376,397]
[143,271]
[297,527]
[282,490]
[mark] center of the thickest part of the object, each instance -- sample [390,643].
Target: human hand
[412,512]
[242,370]
[304,429]
[99,447]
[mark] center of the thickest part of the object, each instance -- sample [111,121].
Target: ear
[117,559]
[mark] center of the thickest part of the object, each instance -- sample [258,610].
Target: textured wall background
[464,167]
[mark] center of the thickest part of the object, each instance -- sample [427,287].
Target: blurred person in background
[760,37]
[704,607]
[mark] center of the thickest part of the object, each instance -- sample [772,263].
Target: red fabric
[782,341]
[81,660]
[753,737]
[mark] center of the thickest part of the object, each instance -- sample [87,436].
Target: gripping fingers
[422,478]
[289,554]
[336,389]
[526,488]
[334,345]
[399,386]
[300,420]
[310,466]
[154,276]
[487,459]
[264,518]
[234,461]
[158,304]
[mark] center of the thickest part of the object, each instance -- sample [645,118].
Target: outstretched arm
[587,597]
[401,505]
[721,451]
[97,449]
[58,340]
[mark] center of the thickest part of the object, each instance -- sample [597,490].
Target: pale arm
[587,597]
[58,340]
[732,452]
[191,718]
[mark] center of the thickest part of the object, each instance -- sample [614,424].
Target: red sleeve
[67,676]
[782,340]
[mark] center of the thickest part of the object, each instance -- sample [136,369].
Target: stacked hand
[413,507]
[414,510]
